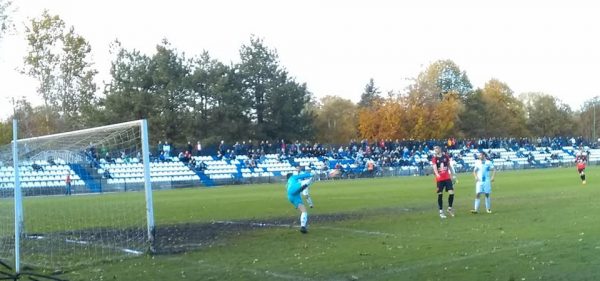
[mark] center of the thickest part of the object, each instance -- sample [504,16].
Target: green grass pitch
[545,226]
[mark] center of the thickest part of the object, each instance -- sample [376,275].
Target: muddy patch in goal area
[178,238]
[70,249]
[86,246]
[172,239]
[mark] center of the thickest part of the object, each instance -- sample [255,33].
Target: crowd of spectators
[384,153]
[368,155]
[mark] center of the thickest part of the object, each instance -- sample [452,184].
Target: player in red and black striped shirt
[581,161]
[442,169]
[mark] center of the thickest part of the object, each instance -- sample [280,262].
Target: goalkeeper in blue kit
[295,186]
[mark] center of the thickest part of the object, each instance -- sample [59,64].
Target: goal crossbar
[84,131]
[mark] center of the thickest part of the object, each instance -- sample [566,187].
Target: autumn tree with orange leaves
[430,109]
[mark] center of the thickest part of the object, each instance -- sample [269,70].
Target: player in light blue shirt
[484,173]
[295,186]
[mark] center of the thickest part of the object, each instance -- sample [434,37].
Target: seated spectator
[192,163]
[230,154]
[251,163]
[109,159]
[161,157]
[283,157]
[107,174]
[125,157]
[37,168]
[201,166]
[182,157]
[531,159]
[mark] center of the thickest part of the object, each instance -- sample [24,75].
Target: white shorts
[483,187]
[307,182]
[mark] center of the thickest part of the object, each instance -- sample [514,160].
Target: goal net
[73,214]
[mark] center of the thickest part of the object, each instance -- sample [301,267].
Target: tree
[505,113]
[547,116]
[59,60]
[5,17]
[202,98]
[435,101]
[220,111]
[278,104]
[588,123]
[155,88]
[385,119]
[258,69]
[42,61]
[127,96]
[336,120]
[5,132]
[473,121]
[168,70]
[440,78]
[392,118]
[370,95]
[33,121]
[76,86]
[288,116]
[447,115]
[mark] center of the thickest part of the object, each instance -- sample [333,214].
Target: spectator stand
[242,169]
[129,175]
[40,178]
[43,177]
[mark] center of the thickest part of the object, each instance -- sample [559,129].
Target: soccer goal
[59,207]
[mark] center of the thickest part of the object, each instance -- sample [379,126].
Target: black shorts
[445,184]
[580,170]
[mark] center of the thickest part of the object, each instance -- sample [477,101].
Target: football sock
[440,201]
[309,200]
[488,202]
[450,200]
[583,177]
[303,219]
[476,204]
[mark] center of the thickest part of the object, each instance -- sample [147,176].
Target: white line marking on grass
[130,251]
[253,223]
[83,242]
[76,241]
[457,259]
[351,230]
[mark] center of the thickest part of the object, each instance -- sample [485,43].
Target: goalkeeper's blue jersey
[293,183]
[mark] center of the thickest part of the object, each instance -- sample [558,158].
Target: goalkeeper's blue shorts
[295,199]
[293,194]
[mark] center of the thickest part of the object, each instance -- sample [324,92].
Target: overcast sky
[336,46]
